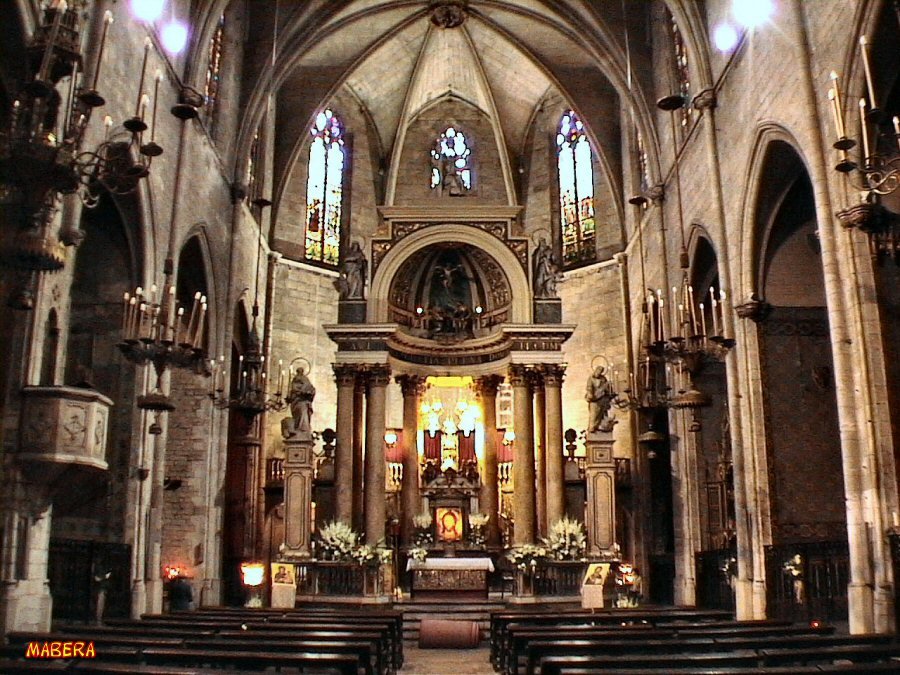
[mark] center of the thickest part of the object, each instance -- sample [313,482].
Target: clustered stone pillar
[523,462]
[412,387]
[344,466]
[556,505]
[489,498]
[378,377]
[540,454]
[359,391]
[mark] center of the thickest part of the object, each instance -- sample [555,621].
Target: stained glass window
[576,190]
[451,163]
[213,64]
[682,71]
[324,188]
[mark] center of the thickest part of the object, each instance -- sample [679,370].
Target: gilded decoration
[401,229]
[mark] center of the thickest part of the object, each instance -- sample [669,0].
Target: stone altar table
[443,578]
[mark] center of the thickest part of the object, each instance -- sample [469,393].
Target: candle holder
[40,155]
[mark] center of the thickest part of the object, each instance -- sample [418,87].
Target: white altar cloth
[451,564]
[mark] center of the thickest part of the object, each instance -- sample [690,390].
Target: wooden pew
[344,664]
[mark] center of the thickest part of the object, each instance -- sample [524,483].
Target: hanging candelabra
[154,328]
[875,172]
[40,148]
[249,394]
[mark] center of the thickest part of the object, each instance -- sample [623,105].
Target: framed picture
[283,573]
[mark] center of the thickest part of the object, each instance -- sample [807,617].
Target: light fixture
[390,438]
[174,36]
[876,171]
[154,327]
[147,10]
[250,396]
[752,13]
[725,37]
[40,148]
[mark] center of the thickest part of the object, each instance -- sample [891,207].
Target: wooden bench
[344,664]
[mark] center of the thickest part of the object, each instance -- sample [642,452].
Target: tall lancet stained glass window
[451,163]
[324,189]
[576,190]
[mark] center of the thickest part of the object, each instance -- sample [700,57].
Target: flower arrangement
[526,558]
[371,555]
[627,585]
[422,535]
[477,523]
[337,540]
[418,554]
[567,539]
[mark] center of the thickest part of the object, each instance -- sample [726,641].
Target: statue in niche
[599,394]
[354,268]
[546,270]
[300,397]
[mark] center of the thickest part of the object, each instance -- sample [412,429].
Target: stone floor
[446,661]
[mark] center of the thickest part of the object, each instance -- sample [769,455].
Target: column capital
[518,374]
[755,309]
[553,373]
[345,373]
[411,385]
[486,385]
[378,375]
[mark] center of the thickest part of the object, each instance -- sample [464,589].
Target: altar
[456,578]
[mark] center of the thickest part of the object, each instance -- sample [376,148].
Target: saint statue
[599,394]
[354,269]
[546,271]
[300,398]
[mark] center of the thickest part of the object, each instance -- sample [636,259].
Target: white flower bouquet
[337,540]
[527,557]
[567,539]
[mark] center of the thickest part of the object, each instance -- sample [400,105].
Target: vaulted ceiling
[504,59]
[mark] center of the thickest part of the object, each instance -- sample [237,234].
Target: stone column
[374,498]
[556,487]
[299,464]
[359,391]
[345,377]
[540,454]
[600,477]
[489,496]
[412,387]
[523,461]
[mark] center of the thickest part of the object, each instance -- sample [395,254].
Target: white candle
[862,129]
[837,105]
[897,130]
[868,70]
[702,321]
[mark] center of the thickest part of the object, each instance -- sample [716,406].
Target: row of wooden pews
[343,640]
[657,641]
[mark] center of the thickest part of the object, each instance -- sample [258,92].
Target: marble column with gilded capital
[556,487]
[523,460]
[377,379]
[412,387]
[345,377]
[489,496]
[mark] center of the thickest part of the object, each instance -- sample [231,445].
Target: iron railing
[808,581]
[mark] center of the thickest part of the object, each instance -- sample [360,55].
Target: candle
[862,129]
[839,118]
[722,298]
[713,304]
[159,76]
[107,21]
[835,113]
[662,320]
[194,307]
[693,313]
[107,122]
[200,324]
[863,43]
[125,299]
[143,315]
[651,302]
[674,318]
[179,322]
[702,321]
[137,107]
[170,314]
[896,519]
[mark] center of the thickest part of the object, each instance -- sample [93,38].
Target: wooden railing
[558,578]
[813,586]
[324,577]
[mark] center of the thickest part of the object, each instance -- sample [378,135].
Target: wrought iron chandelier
[40,149]
[876,170]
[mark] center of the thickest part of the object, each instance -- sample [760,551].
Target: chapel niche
[450,292]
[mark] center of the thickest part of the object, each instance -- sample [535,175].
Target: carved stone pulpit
[600,477]
[299,465]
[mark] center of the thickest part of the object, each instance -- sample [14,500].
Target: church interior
[393,300]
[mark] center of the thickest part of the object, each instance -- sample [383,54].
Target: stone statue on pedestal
[300,398]
[599,394]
